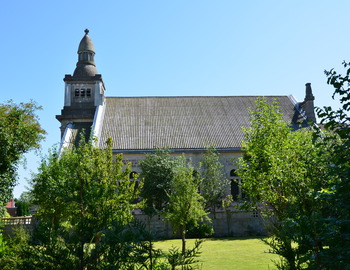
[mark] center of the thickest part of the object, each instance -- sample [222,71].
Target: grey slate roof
[144,123]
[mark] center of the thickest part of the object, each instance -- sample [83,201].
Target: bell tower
[84,91]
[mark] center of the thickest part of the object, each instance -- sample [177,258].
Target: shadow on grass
[231,238]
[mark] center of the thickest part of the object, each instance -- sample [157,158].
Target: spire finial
[86,31]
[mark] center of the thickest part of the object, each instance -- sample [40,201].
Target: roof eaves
[178,150]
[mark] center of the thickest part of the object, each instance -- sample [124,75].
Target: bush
[12,253]
[202,230]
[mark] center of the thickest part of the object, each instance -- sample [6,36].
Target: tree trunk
[183,238]
[149,223]
[81,256]
[150,254]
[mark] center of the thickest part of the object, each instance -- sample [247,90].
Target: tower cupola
[86,52]
[84,91]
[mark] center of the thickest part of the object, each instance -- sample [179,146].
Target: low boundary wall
[11,223]
[225,223]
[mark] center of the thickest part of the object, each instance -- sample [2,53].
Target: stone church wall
[225,223]
[233,223]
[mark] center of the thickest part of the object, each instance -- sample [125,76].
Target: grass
[229,253]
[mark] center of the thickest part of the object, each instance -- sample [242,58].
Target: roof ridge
[198,96]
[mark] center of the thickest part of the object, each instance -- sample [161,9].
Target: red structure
[11,208]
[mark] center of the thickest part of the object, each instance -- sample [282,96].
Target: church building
[182,124]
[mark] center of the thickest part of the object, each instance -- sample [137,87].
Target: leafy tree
[214,184]
[157,174]
[20,132]
[81,192]
[128,246]
[185,203]
[337,195]
[22,207]
[23,203]
[171,187]
[226,204]
[12,251]
[26,196]
[284,171]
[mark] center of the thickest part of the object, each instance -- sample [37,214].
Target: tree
[184,259]
[185,203]
[214,184]
[81,193]
[23,203]
[171,187]
[157,174]
[20,132]
[337,122]
[22,207]
[284,172]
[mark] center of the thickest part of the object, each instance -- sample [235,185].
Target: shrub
[202,230]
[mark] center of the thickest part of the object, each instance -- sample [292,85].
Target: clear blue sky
[157,48]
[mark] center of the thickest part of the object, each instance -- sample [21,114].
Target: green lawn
[229,253]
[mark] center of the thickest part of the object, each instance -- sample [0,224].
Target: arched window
[236,191]
[234,185]
[196,176]
[233,173]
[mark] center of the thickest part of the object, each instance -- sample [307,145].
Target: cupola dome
[86,64]
[86,43]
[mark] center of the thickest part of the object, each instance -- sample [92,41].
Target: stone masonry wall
[225,223]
